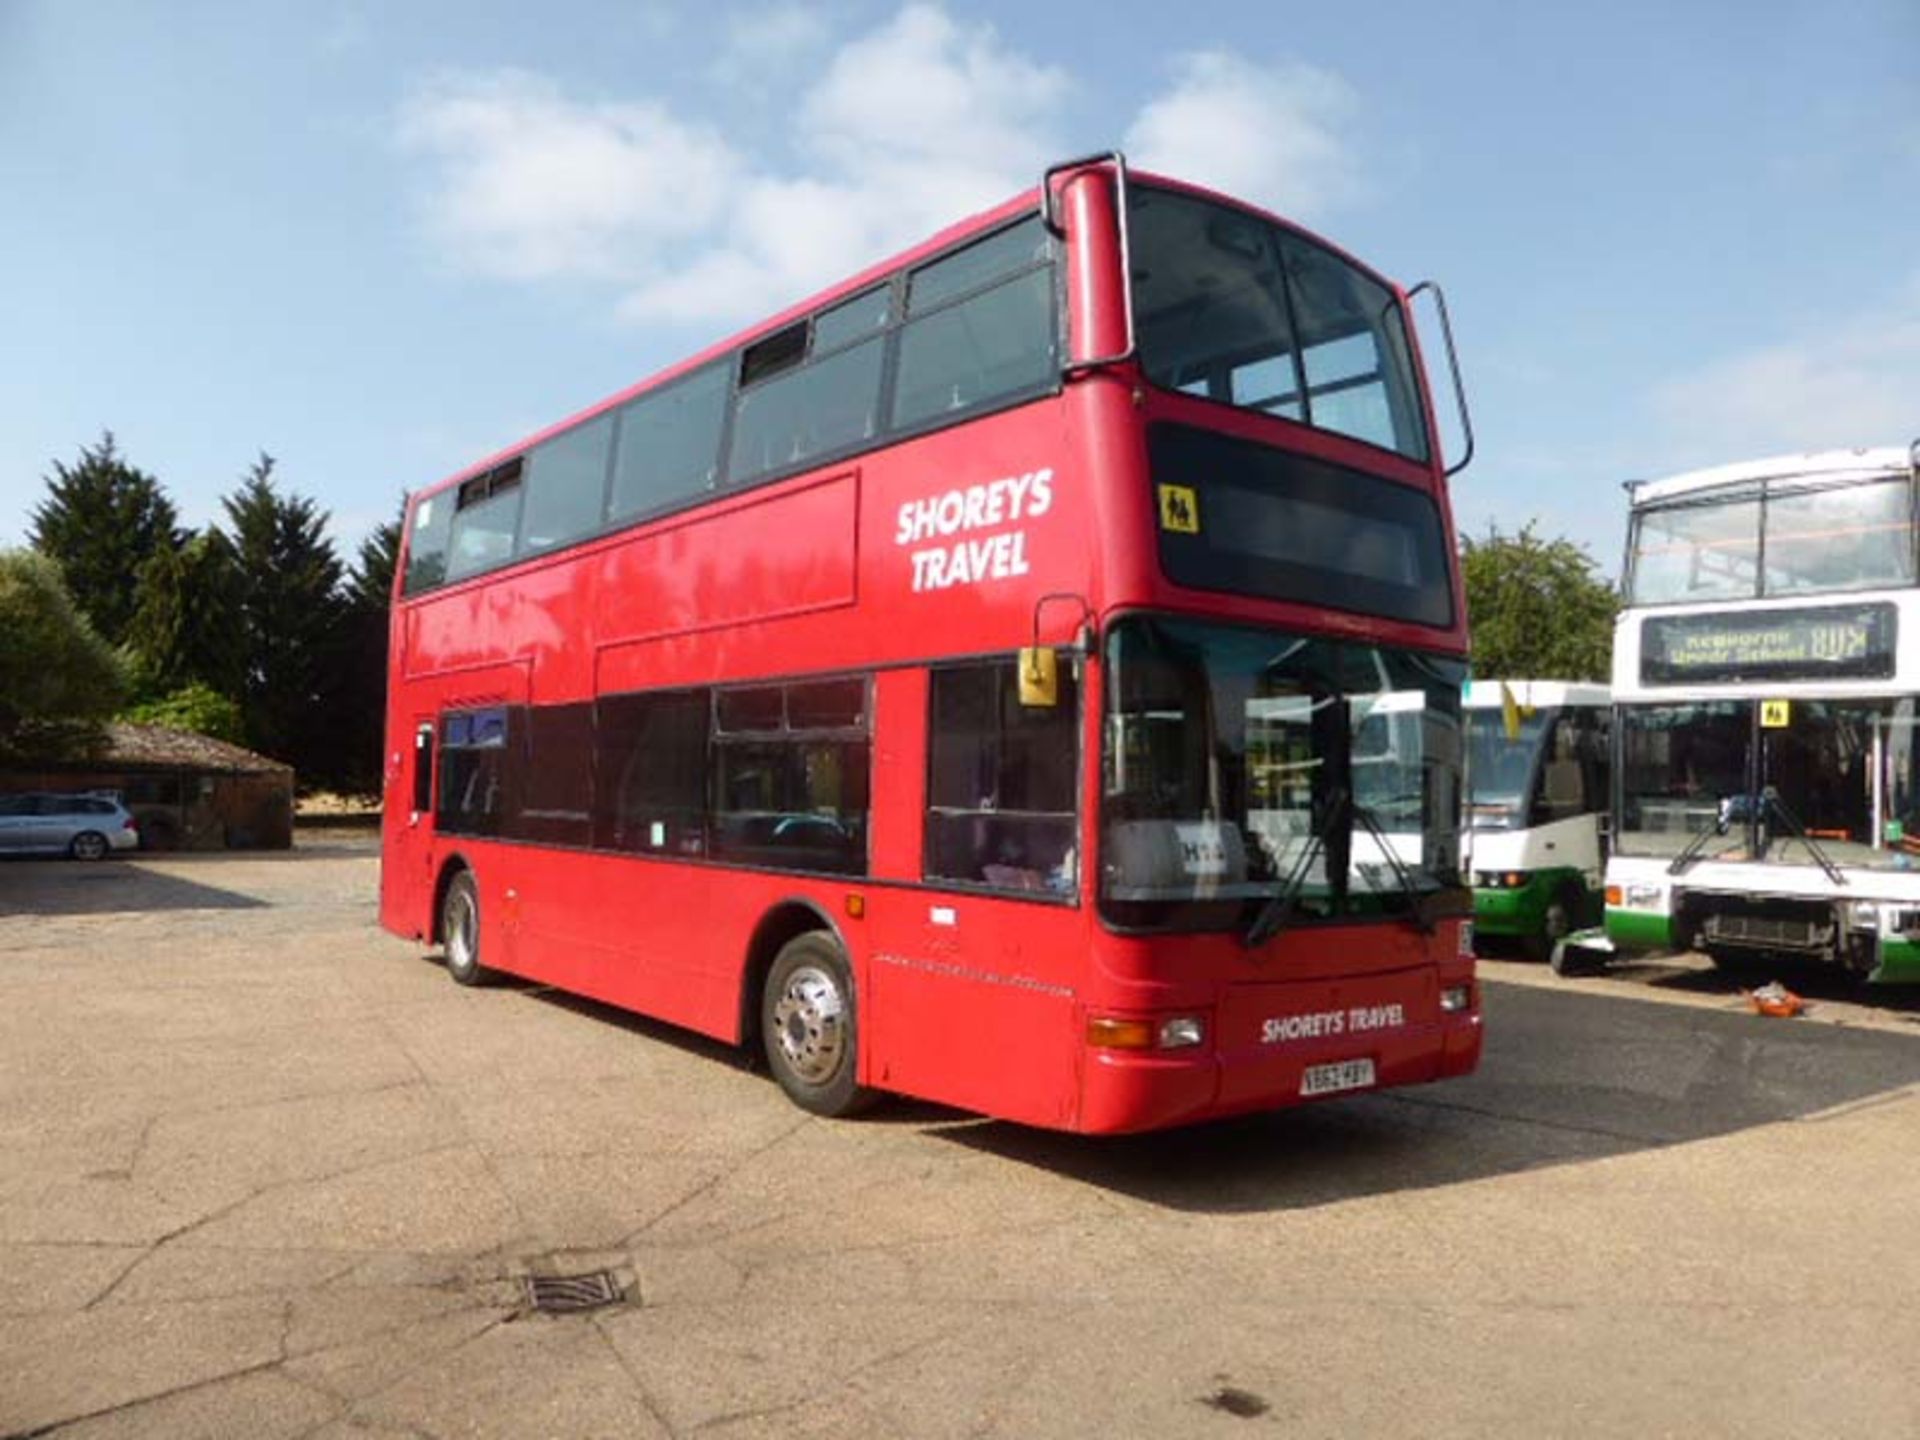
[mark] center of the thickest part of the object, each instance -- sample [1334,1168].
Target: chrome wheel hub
[808,1023]
[460,932]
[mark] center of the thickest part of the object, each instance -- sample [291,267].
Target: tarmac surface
[265,1172]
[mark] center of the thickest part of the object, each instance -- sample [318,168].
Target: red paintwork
[988,1012]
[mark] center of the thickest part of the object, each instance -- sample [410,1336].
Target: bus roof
[952,236]
[1862,464]
[1535,694]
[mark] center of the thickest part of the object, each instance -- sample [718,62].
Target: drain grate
[568,1294]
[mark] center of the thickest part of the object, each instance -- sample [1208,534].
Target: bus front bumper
[1123,1091]
[1517,910]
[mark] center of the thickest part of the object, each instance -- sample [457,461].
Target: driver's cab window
[1570,783]
[1001,785]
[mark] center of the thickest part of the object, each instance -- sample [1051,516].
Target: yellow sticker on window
[1179,509]
[1775,714]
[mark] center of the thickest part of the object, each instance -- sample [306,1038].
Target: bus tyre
[1556,923]
[810,1028]
[460,930]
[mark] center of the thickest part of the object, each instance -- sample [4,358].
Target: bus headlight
[1127,1032]
[1181,1031]
[1456,999]
[1645,897]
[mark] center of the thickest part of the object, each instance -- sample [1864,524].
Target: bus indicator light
[857,906]
[1114,1032]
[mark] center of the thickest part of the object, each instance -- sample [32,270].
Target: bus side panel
[972,1003]
[785,554]
[638,933]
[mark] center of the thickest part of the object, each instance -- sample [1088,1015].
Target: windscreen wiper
[1277,911]
[1691,851]
[1770,800]
[1416,898]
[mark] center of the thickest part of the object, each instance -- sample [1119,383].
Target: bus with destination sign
[962,684]
[1766,679]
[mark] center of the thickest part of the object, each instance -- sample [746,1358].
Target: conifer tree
[289,609]
[186,620]
[361,698]
[101,521]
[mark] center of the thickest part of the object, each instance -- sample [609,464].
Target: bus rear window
[1254,520]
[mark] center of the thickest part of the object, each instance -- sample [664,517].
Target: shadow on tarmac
[100,887]
[1566,1077]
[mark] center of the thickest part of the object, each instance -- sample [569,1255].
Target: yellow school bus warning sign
[1179,509]
[1775,714]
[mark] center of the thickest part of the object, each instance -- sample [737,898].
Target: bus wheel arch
[799,1003]
[454,865]
[456,923]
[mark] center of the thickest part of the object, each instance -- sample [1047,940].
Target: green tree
[186,621]
[58,679]
[1539,609]
[101,521]
[196,707]
[289,608]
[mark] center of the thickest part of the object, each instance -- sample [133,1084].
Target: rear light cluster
[1131,1032]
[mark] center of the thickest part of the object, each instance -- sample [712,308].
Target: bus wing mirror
[1453,370]
[1039,677]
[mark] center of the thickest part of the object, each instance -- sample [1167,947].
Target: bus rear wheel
[810,1027]
[460,930]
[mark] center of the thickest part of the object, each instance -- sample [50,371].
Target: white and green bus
[1537,760]
[1766,683]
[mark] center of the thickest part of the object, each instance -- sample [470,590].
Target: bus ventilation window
[781,350]
[495,482]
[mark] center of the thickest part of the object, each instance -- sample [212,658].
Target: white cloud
[924,89]
[532,185]
[909,126]
[1273,134]
[1855,382]
[764,45]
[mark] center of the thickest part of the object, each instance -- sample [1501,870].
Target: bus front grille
[1769,932]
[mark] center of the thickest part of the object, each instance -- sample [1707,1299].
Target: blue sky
[382,240]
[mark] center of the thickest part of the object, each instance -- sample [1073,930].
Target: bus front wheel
[810,1027]
[1557,921]
[460,930]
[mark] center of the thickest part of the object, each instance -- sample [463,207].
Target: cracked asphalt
[265,1172]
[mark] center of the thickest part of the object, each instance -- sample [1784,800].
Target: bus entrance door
[408,823]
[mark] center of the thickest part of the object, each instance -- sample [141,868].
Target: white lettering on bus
[1319,1023]
[955,512]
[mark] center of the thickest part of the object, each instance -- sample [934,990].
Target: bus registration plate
[1340,1075]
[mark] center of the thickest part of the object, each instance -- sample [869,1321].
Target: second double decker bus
[1766,674]
[951,686]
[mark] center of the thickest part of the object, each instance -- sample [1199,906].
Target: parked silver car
[86,827]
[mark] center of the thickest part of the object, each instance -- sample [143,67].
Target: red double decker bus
[1026,676]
